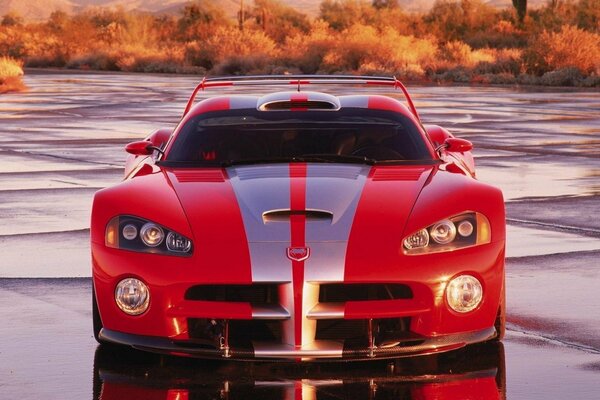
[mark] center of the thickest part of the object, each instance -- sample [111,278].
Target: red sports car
[299,225]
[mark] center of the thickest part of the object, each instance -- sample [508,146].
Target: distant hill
[35,9]
[41,9]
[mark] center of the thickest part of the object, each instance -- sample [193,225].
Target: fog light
[464,293]
[132,296]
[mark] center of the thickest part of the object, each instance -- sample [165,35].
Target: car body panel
[314,242]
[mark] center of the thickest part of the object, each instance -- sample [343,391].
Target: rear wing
[299,81]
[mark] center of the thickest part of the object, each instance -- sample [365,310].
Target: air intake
[298,101]
[298,105]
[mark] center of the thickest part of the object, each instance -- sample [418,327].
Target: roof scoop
[298,101]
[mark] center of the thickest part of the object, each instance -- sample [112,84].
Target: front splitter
[317,351]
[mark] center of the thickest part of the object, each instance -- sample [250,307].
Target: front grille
[340,292]
[341,329]
[254,294]
[243,332]
[356,331]
[208,332]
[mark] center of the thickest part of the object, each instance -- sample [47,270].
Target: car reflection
[477,372]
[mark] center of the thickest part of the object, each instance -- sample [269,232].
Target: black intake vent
[340,292]
[254,294]
[288,105]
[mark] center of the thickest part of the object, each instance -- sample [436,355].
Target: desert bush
[364,48]
[227,42]
[279,21]
[458,74]
[306,51]
[458,54]
[591,81]
[503,34]
[10,67]
[97,61]
[11,72]
[455,20]
[562,77]
[342,14]
[502,78]
[506,61]
[570,47]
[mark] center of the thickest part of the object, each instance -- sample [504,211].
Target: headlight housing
[138,234]
[460,231]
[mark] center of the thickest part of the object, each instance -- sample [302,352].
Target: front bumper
[318,350]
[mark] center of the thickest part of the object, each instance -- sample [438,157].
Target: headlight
[464,293]
[178,243]
[152,235]
[443,232]
[457,232]
[137,234]
[132,296]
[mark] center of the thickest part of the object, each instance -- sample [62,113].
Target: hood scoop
[285,215]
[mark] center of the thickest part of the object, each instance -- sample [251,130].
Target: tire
[500,323]
[96,320]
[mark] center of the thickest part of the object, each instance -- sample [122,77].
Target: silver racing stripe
[332,193]
[259,189]
[336,189]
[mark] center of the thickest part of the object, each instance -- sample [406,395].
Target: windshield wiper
[318,158]
[270,160]
[344,158]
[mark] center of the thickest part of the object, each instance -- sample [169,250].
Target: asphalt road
[63,139]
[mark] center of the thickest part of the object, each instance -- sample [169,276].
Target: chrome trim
[267,311]
[327,311]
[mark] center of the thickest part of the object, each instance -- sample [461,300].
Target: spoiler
[299,81]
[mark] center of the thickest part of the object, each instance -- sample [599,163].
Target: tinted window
[238,135]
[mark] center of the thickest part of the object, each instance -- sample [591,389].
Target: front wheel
[96,320]
[500,323]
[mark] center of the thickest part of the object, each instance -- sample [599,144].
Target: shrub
[571,47]
[11,72]
[363,48]
[562,77]
[229,42]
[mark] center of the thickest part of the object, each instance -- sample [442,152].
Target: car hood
[333,210]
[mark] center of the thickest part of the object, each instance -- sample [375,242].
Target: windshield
[251,136]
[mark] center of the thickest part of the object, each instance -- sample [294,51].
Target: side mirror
[456,145]
[141,148]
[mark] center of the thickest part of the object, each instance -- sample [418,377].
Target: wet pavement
[63,140]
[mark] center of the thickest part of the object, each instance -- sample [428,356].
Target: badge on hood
[298,253]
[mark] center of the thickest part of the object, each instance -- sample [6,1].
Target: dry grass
[11,72]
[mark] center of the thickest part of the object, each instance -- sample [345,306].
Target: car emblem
[298,253]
